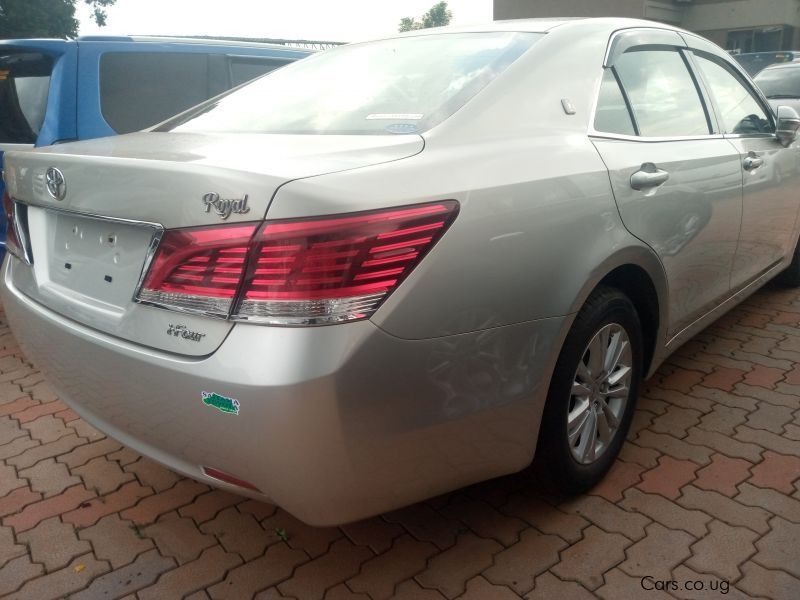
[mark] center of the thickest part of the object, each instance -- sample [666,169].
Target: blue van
[54,91]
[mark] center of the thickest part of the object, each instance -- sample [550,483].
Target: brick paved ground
[707,489]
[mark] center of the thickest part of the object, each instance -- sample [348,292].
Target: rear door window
[140,89]
[24,86]
[245,68]
[612,114]
[662,93]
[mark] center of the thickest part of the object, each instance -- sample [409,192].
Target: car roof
[786,65]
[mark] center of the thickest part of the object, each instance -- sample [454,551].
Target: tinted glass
[245,69]
[662,93]
[782,82]
[401,85]
[612,115]
[739,111]
[138,90]
[24,85]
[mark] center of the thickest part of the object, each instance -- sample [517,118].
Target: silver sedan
[403,266]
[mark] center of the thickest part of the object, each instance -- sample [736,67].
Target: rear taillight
[294,272]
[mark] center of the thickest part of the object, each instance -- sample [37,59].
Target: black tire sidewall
[605,306]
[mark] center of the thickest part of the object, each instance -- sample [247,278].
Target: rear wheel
[791,276]
[593,392]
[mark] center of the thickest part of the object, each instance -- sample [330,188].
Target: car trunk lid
[90,249]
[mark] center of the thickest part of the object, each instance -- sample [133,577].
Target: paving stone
[64,582]
[102,475]
[41,391]
[411,590]
[776,585]
[83,454]
[484,520]
[311,579]
[777,443]
[549,586]
[518,566]
[342,592]
[620,477]
[607,516]
[724,509]
[380,575]
[672,446]
[725,444]
[726,399]
[8,548]
[723,378]
[260,510]
[22,402]
[126,580]
[178,537]
[17,500]
[619,584]
[681,380]
[480,589]
[770,417]
[192,576]
[152,474]
[82,429]
[658,553]
[779,548]
[53,543]
[770,500]
[646,457]
[47,429]
[545,517]
[115,540]
[315,541]
[448,571]
[149,509]
[9,480]
[723,550]
[239,533]
[426,525]
[49,477]
[722,419]
[723,475]
[207,506]
[665,512]
[763,376]
[676,421]
[10,430]
[124,456]
[16,572]
[33,514]
[766,395]
[33,455]
[89,512]
[17,447]
[375,533]
[692,585]
[777,471]
[587,560]
[34,412]
[244,581]
[668,477]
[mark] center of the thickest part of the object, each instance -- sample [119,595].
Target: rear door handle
[752,161]
[649,176]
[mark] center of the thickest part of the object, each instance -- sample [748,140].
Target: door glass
[140,89]
[245,69]
[662,93]
[612,114]
[740,112]
[24,85]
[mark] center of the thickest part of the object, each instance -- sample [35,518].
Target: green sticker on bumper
[221,403]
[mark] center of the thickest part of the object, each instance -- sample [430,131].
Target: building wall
[714,19]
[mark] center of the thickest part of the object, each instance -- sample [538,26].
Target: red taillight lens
[199,268]
[12,241]
[294,272]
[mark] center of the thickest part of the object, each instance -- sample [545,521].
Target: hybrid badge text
[224,207]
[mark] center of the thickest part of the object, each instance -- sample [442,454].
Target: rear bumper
[335,424]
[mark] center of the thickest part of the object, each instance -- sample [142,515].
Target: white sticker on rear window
[395,116]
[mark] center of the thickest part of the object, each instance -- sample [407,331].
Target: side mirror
[787,125]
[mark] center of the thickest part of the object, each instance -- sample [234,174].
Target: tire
[791,276]
[578,463]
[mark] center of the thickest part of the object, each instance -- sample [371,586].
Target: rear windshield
[783,82]
[24,85]
[401,85]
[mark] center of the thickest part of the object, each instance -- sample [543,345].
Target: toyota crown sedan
[404,266]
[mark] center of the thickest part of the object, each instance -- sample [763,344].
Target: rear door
[769,171]
[676,180]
